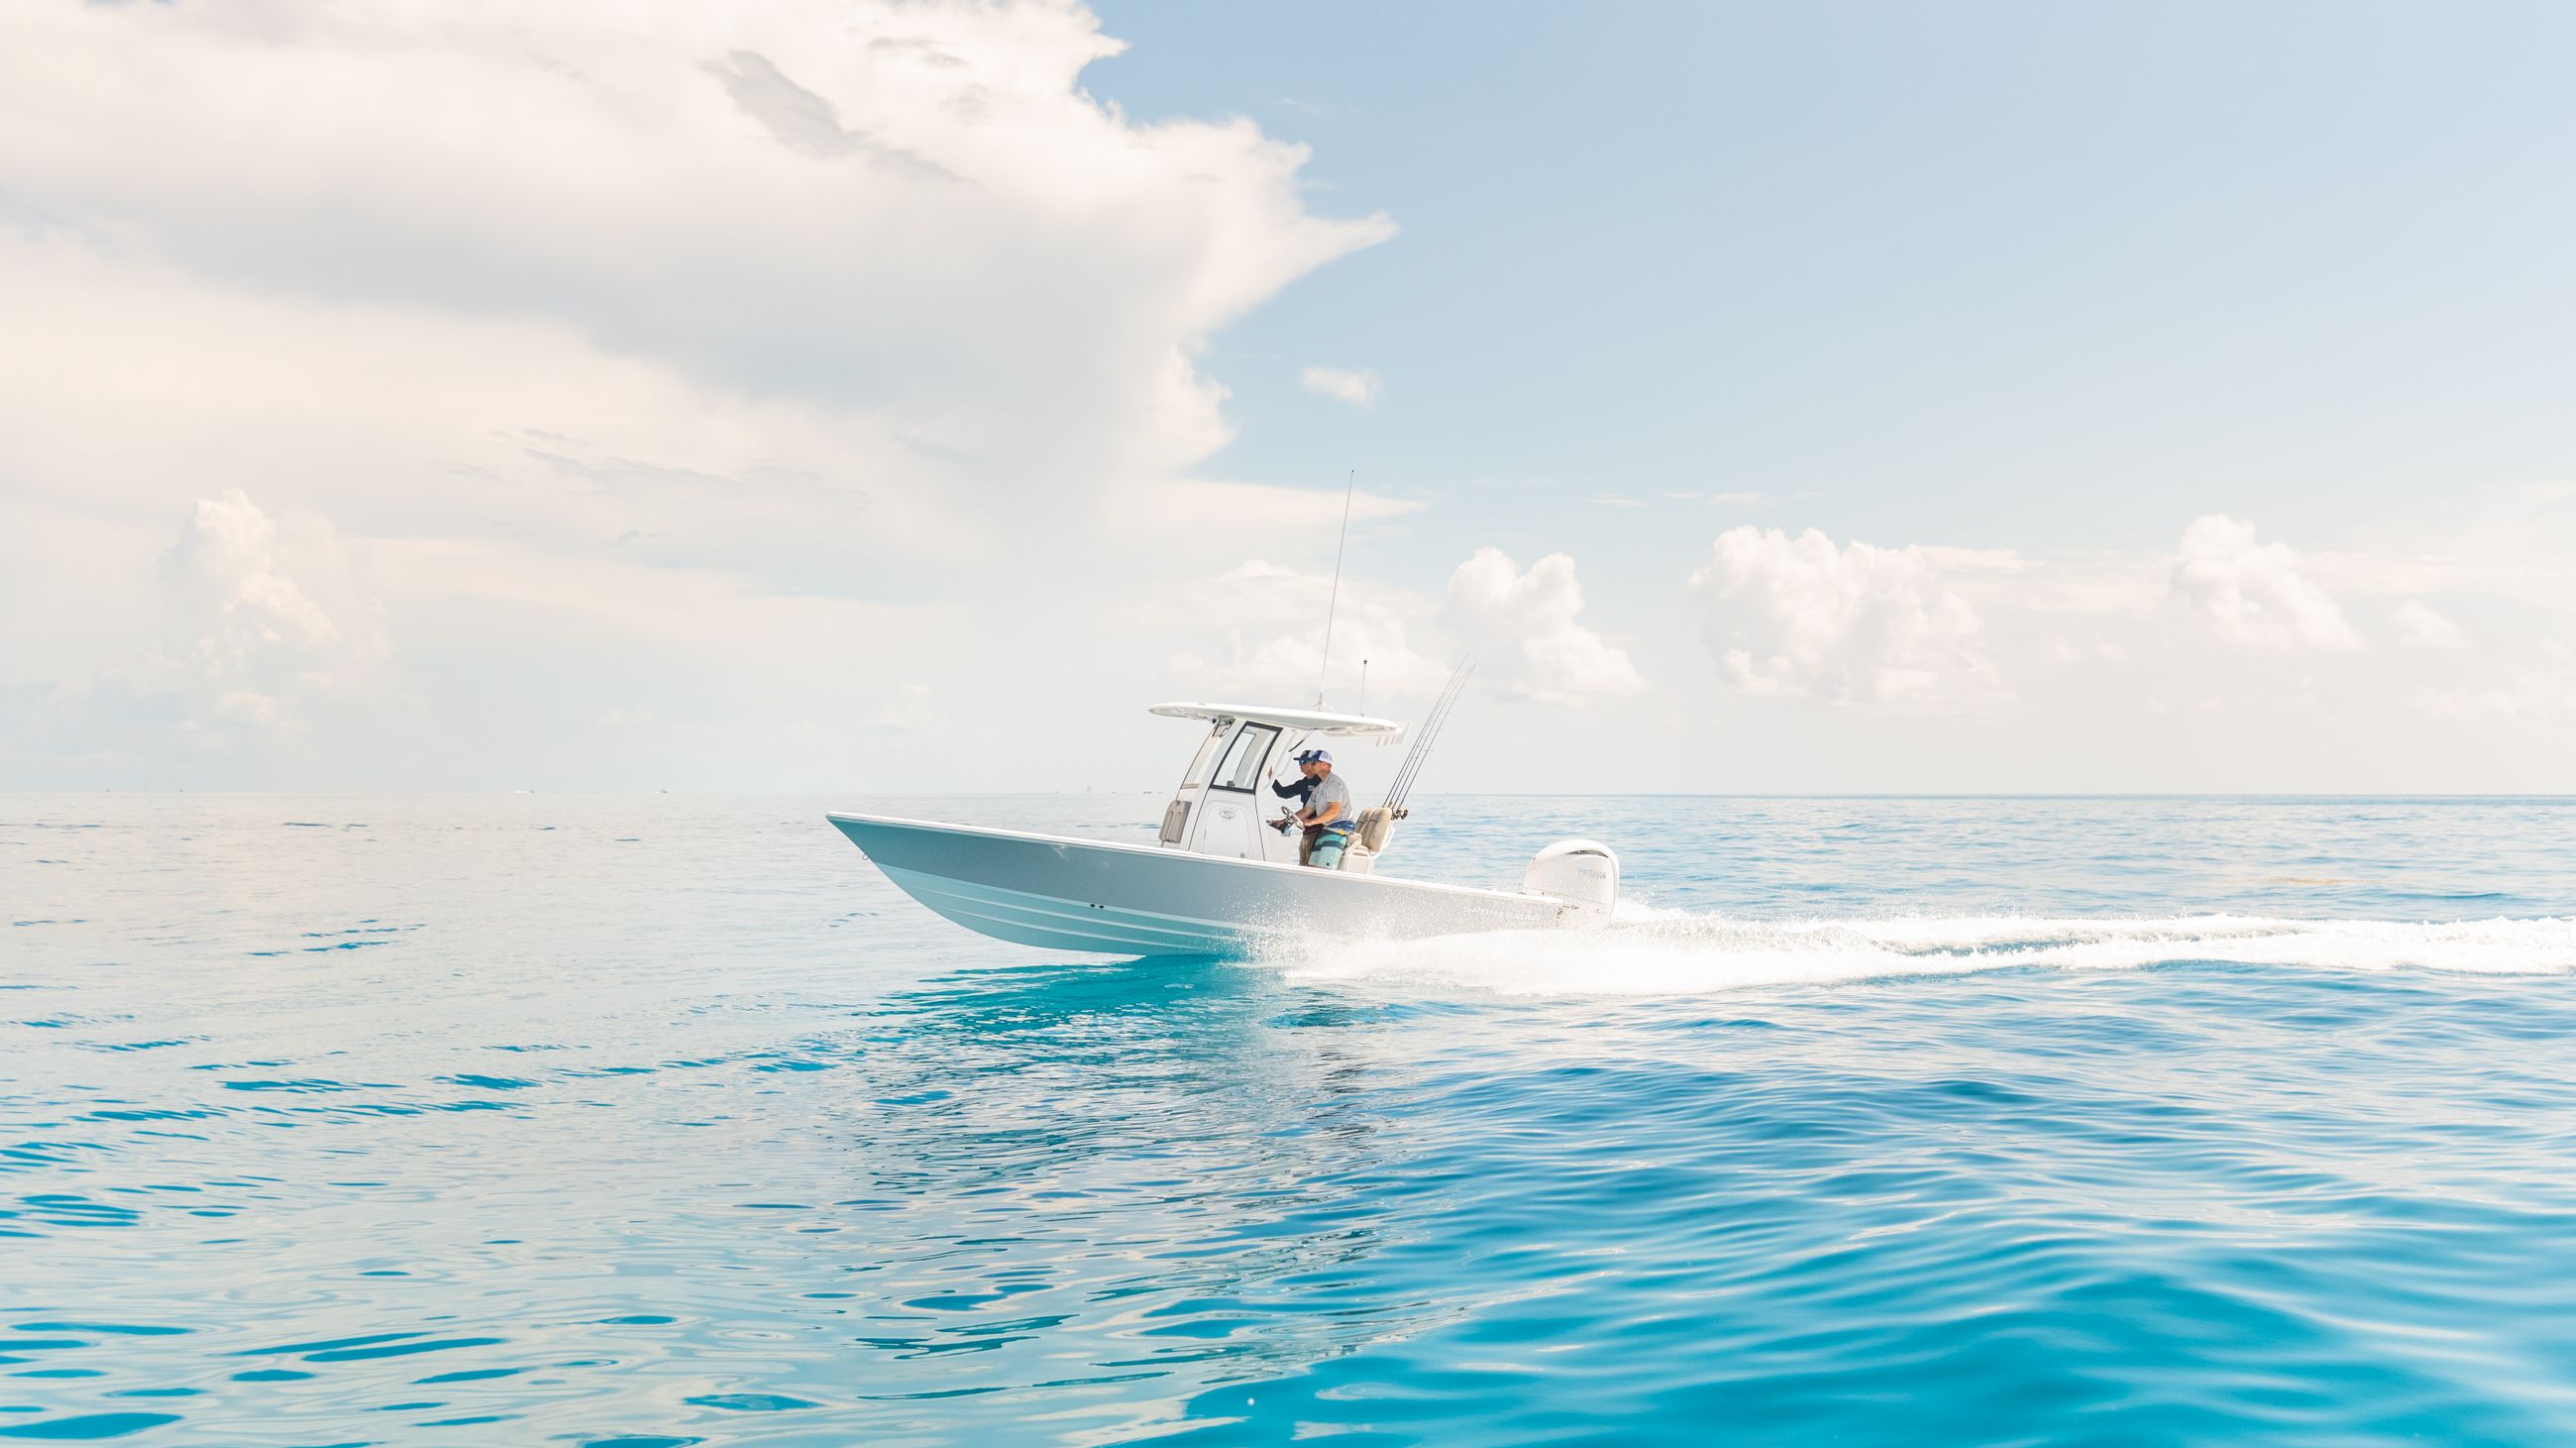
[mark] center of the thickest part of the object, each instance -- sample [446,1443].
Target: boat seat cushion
[1375,824]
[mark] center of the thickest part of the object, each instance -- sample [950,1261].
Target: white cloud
[1358,387]
[1182,510]
[802,197]
[253,706]
[246,641]
[2253,593]
[1019,271]
[2508,542]
[2061,648]
[676,378]
[691,339]
[911,712]
[225,569]
[1523,629]
[1244,656]
[2542,693]
[2419,626]
[1804,618]
[1955,561]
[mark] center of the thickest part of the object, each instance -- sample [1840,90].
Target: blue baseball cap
[1315,756]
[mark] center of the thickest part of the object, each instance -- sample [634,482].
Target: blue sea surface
[666,1120]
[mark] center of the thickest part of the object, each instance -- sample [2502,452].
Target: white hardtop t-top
[1313,721]
[1224,871]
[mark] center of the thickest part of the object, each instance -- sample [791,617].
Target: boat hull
[1118,899]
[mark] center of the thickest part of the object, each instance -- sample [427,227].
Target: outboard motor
[1582,875]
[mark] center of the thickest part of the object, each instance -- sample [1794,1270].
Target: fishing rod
[1432,723]
[1423,737]
[1438,715]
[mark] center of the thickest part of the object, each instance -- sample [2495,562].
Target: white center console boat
[1220,875]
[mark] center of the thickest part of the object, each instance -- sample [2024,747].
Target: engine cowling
[1579,873]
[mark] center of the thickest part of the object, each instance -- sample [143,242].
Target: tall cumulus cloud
[565,314]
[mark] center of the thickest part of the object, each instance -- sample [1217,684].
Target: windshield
[1284,765]
[1205,759]
[1242,767]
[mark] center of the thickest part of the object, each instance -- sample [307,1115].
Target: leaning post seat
[1374,825]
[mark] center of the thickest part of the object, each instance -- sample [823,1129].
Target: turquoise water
[666,1120]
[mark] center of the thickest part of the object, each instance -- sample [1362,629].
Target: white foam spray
[1652,952]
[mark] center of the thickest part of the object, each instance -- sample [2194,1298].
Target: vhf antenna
[1334,606]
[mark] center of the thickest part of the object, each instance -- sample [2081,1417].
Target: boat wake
[1657,952]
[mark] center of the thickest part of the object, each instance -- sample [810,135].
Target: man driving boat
[1303,786]
[1328,817]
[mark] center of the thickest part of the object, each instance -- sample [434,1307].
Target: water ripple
[668,1123]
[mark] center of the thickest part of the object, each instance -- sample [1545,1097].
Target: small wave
[1649,951]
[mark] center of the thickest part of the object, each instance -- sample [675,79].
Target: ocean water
[666,1120]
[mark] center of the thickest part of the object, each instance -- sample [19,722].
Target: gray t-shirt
[1330,791]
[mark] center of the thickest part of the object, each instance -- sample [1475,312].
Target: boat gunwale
[1159,852]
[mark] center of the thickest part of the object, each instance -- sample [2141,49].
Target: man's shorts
[1328,850]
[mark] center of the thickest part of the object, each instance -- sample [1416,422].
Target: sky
[900,397]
